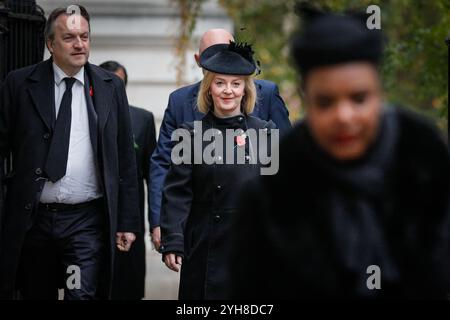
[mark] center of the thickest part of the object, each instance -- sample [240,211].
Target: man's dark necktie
[56,164]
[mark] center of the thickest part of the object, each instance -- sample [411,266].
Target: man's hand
[173,262]
[124,240]
[155,236]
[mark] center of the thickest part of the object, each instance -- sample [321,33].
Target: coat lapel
[102,97]
[42,92]
[92,114]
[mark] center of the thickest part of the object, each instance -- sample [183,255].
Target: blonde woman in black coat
[199,199]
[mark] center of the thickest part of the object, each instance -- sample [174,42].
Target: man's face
[70,46]
[343,108]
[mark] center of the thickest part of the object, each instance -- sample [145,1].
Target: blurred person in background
[129,279]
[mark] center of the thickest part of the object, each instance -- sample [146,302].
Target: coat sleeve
[160,163]
[279,114]
[150,145]
[175,207]
[128,205]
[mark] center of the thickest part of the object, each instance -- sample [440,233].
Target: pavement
[161,283]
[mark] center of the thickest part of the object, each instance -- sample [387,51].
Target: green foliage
[416,56]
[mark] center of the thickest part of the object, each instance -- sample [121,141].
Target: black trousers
[64,249]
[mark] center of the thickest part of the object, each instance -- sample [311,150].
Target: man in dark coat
[129,280]
[72,195]
[182,108]
[360,205]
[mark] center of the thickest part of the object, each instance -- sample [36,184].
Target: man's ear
[49,46]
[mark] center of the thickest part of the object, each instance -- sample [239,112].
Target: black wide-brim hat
[232,59]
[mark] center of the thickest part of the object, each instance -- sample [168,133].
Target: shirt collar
[60,75]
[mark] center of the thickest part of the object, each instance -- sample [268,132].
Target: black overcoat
[27,107]
[199,206]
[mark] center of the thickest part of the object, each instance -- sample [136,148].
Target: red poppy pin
[240,140]
[91,91]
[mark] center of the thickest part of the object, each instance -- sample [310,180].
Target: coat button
[38,171]
[218,188]
[217,218]
[240,119]
[28,206]
[46,136]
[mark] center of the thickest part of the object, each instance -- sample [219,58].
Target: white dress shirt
[80,184]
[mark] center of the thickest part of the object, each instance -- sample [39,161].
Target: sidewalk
[160,282]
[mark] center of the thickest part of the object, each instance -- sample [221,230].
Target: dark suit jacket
[182,107]
[27,107]
[144,132]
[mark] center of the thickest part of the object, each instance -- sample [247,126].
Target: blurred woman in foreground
[360,205]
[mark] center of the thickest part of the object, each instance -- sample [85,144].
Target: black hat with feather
[234,58]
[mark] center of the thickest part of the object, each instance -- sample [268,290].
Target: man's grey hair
[49,31]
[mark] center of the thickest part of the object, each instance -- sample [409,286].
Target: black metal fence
[22,42]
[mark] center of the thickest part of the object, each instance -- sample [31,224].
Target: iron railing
[22,42]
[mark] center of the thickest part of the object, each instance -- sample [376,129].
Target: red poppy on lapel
[240,140]
[91,91]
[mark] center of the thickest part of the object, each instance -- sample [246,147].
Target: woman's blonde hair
[205,102]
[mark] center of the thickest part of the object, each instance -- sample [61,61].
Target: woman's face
[227,92]
[343,108]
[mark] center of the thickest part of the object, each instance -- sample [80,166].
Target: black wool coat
[198,208]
